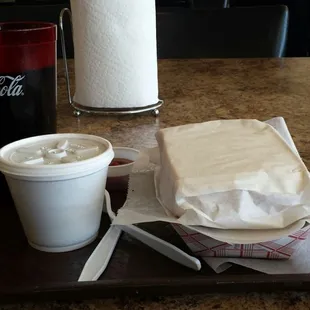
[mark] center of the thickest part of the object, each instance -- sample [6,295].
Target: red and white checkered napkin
[204,246]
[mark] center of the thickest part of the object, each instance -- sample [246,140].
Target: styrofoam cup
[59,201]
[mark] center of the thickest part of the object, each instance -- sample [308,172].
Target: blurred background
[298,44]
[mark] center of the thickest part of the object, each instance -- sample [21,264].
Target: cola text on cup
[27,81]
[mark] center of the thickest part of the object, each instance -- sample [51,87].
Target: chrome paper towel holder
[78,108]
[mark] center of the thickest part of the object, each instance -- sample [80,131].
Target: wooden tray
[135,269]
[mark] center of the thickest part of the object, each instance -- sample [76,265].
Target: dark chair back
[46,13]
[298,36]
[218,33]
[223,33]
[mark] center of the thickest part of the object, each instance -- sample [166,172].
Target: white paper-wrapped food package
[231,174]
[221,247]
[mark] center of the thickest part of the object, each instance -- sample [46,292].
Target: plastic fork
[100,258]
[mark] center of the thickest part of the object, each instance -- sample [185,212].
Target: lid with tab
[55,155]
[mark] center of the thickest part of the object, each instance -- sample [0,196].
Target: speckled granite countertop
[284,301]
[196,91]
[202,90]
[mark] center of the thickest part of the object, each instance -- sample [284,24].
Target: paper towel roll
[115,53]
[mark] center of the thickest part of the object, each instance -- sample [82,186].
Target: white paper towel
[115,53]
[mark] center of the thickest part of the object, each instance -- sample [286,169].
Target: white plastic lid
[55,155]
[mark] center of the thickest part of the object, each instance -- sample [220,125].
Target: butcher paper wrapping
[231,174]
[244,209]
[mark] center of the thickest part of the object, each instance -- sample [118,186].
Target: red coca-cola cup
[27,81]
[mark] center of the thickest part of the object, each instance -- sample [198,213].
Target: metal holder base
[79,109]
